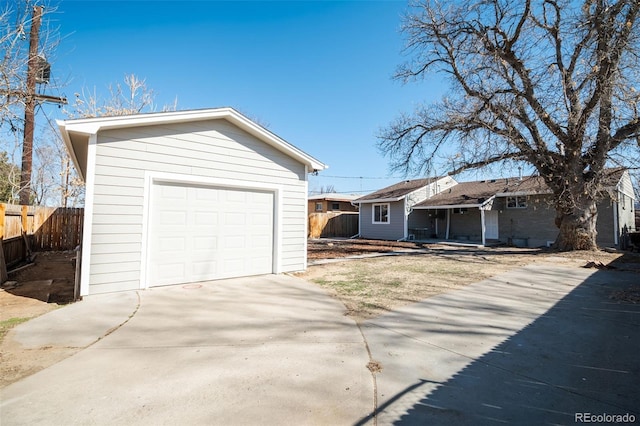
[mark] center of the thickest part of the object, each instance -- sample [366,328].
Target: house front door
[491,224]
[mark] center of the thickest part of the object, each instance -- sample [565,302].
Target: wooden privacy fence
[34,228]
[333,224]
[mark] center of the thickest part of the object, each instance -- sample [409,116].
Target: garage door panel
[212,233]
[236,196]
[169,273]
[261,241]
[206,194]
[235,219]
[173,218]
[200,271]
[173,192]
[171,245]
[207,244]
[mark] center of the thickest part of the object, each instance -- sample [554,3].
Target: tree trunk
[577,224]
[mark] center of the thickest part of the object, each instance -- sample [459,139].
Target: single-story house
[517,211]
[332,202]
[385,214]
[187,196]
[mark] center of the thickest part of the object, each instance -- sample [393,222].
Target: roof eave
[91,126]
[379,200]
[448,206]
[66,138]
[516,193]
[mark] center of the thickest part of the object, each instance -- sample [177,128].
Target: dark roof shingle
[398,190]
[477,192]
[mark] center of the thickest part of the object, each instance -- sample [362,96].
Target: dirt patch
[332,249]
[32,291]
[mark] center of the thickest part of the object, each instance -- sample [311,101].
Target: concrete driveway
[538,345]
[262,350]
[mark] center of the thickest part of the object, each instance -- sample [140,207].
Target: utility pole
[30,97]
[29,109]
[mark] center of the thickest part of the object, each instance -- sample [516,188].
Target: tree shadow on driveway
[578,357]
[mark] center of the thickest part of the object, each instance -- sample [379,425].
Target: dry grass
[372,286]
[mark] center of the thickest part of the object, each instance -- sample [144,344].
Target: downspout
[406,221]
[482,224]
[615,222]
[407,212]
[446,237]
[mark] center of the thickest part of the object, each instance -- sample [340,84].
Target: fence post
[3,209]
[3,266]
[25,219]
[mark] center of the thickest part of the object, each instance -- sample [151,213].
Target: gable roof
[397,191]
[475,194]
[76,133]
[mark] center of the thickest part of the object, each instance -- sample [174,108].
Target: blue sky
[318,74]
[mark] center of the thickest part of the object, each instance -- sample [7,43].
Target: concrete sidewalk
[537,345]
[260,350]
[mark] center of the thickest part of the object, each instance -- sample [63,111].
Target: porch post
[616,226]
[446,237]
[483,226]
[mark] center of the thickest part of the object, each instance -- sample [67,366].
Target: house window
[318,207]
[335,206]
[381,213]
[517,202]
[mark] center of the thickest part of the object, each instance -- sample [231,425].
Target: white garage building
[180,197]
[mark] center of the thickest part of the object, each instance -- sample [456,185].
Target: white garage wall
[212,149]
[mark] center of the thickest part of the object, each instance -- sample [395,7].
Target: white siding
[212,149]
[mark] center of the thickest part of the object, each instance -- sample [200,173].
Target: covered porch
[474,224]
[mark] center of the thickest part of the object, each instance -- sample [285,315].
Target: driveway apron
[260,350]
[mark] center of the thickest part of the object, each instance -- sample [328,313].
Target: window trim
[319,204]
[335,206]
[373,213]
[520,202]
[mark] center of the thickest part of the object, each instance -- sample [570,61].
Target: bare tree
[328,189]
[551,83]
[133,97]
[55,181]
[9,179]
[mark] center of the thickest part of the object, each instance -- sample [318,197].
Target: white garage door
[199,233]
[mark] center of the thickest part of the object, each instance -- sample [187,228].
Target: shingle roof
[397,191]
[477,192]
[333,196]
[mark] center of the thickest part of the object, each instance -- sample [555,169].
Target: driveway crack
[374,367]
[113,329]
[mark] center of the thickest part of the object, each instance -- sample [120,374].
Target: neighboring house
[323,203]
[384,214]
[179,197]
[517,211]
[332,215]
